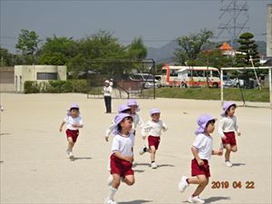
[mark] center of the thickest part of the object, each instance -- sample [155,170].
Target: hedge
[56,86]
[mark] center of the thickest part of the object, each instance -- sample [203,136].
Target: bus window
[164,71]
[173,73]
[215,74]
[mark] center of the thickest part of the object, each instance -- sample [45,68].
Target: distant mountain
[165,53]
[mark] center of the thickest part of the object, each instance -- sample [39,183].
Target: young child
[153,130]
[73,122]
[122,156]
[137,120]
[227,128]
[202,151]
[121,109]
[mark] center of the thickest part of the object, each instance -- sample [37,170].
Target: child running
[227,128]
[121,109]
[73,122]
[153,128]
[202,151]
[137,120]
[122,156]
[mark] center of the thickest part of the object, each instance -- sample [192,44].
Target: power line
[127,1]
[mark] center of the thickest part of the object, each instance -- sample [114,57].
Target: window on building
[47,76]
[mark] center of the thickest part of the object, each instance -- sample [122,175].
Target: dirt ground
[34,168]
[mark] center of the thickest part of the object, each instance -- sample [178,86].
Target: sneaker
[195,199]
[183,184]
[153,165]
[228,164]
[110,180]
[71,156]
[109,201]
[67,153]
[143,150]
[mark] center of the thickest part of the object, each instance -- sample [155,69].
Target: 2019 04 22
[233,184]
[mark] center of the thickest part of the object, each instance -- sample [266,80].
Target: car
[228,84]
[147,80]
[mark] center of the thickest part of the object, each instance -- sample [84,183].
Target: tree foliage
[191,46]
[247,51]
[28,45]
[57,51]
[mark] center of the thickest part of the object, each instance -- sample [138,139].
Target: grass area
[232,94]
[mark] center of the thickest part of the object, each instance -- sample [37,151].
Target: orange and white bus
[190,76]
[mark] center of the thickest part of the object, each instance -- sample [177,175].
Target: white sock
[112,192]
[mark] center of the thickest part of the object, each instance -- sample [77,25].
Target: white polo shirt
[154,128]
[107,90]
[123,144]
[227,124]
[203,143]
[69,120]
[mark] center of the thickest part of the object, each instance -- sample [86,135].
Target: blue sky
[156,21]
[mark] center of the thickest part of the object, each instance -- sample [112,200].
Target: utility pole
[233,20]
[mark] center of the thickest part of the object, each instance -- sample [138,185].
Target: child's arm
[217,152]
[109,130]
[195,153]
[123,157]
[61,126]
[236,127]
[164,127]
[220,129]
[144,130]
[79,124]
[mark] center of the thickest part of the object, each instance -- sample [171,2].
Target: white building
[37,73]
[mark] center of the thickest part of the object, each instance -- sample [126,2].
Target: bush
[56,86]
[31,87]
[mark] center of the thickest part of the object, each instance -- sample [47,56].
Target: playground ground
[34,168]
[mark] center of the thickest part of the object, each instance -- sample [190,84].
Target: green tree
[137,50]
[102,53]
[28,42]
[58,50]
[247,52]
[247,55]
[6,58]
[213,58]
[191,46]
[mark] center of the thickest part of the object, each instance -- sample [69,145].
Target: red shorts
[230,138]
[120,166]
[73,134]
[200,170]
[154,141]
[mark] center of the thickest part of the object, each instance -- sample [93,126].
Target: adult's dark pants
[107,100]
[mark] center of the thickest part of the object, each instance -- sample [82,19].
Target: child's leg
[202,182]
[152,151]
[129,180]
[227,153]
[114,187]
[116,180]
[70,143]
[234,148]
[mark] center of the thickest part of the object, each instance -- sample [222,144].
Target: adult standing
[107,89]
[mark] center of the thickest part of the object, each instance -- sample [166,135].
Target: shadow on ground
[136,202]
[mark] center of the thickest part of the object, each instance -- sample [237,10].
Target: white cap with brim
[226,107]
[154,110]
[123,108]
[74,106]
[120,117]
[202,122]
